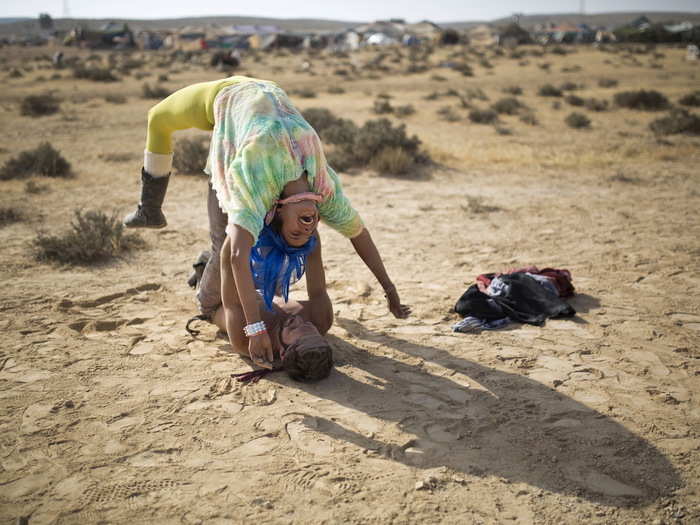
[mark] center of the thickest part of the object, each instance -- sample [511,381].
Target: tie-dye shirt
[260,142]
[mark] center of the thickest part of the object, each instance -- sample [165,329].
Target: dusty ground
[111,413]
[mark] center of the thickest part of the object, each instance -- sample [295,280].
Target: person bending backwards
[269,186]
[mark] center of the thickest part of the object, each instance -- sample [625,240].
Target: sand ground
[110,412]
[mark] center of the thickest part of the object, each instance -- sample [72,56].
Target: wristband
[254,329]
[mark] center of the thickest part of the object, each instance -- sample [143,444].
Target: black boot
[148,214]
[198,266]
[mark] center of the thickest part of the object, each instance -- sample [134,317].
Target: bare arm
[366,249]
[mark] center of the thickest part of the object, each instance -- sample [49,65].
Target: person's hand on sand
[400,311]
[260,349]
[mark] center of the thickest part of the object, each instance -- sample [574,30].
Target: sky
[346,10]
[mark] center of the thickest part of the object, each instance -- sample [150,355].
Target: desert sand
[110,412]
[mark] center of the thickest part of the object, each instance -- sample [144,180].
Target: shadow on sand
[486,422]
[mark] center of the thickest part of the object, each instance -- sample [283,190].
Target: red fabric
[560,278]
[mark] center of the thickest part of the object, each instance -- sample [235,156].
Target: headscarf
[275,264]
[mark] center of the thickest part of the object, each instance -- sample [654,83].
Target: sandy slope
[110,412]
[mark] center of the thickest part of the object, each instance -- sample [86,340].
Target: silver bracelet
[254,329]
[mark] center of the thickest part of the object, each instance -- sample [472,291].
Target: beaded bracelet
[254,329]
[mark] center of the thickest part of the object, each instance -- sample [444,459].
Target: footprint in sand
[304,433]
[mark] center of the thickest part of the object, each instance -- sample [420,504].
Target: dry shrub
[679,121]
[92,237]
[392,160]
[691,99]
[116,157]
[483,116]
[34,188]
[354,146]
[476,205]
[607,82]
[95,74]
[157,92]
[115,98]
[190,155]
[336,90]
[507,106]
[10,215]
[644,100]
[513,90]
[529,118]
[548,90]
[44,160]
[404,111]
[304,93]
[574,100]
[595,104]
[39,105]
[438,78]
[577,121]
[382,107]
[570,86]
[448,114]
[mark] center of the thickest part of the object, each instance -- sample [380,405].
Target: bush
[642,99]
[569,86]
[93,237]
[448,114]
[507,106]
[404,111]
[44,160]
[595,104]
[190,155]
[548,90]
[115,98]
[305,93]
[483,116]
[691,99]
[10,215]
[95,74]
[34,188]
[382,106]
[577,121]
[607,82]
[153,92]
[376,135]
[335,90]
[438,78]
[574,100]
[392,160]
[39,105]
[513,90]
[529,118]
[679,121]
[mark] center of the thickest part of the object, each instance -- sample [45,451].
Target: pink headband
[306,196]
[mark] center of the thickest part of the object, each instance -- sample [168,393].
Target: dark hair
[309,359]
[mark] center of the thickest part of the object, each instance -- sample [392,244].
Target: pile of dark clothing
[524,295]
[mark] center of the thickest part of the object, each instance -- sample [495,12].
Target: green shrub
[507,106]
[691,99]
[548,90]
[39,105]
[190,155]
[157,92]
[644,100]
[10,215]
[483,116]
[44,160]
[679,121]
[95,74]
[577,121]
[92,237]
